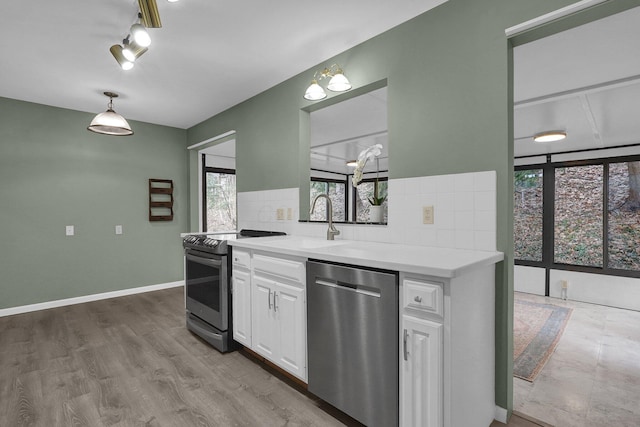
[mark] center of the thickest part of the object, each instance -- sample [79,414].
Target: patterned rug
[537,328]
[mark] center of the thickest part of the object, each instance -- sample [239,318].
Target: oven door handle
[213,262]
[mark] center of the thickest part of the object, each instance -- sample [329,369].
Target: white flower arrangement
[365,155]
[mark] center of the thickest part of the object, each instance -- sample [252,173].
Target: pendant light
[110,122]
[550,136]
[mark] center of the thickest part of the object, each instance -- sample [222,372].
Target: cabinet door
[241,306]
[422,374]
[264,329]
[290,313]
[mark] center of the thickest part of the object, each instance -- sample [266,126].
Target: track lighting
[338,83]
[149,14]
[110,122]
[117,52]
[140,35]
[138,39]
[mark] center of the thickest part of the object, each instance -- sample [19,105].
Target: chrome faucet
[331,232]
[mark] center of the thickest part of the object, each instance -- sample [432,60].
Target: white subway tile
[485,201]
[464,201]
[463,182]
[485,241]
[464,239]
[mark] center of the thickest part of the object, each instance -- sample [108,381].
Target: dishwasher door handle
[405,337]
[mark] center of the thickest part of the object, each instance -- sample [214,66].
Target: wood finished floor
[130,361]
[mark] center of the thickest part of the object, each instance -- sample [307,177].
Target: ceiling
[207,57]
[585,81]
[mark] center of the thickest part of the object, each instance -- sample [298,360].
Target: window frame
[548,222]
[205,170]
[346,203]
[375,191]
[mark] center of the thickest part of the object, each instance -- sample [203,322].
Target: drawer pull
[418,299]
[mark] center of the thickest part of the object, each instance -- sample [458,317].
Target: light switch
[427,214]
[118,229]
[69,230]
[280,214]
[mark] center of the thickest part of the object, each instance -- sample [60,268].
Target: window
[220,200]
[336,190]
[578,215]
[366,190]
[527,207]
[582,216]
[624,216]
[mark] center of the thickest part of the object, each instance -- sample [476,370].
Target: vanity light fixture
[550,136]
[338,83]
[110,122]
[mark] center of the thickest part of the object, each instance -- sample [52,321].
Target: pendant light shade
[110,122]
[315,92]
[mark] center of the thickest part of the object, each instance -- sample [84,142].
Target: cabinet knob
[418,299]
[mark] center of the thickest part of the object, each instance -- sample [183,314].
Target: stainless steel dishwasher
[352,324]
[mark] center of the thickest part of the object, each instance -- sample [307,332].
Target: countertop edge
[332,254]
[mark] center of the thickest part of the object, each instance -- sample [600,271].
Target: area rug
[537,328]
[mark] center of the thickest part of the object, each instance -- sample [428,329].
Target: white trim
[87,298]
[552,16]
[207,141]
[501,415]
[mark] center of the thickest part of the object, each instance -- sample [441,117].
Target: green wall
[448,74]
[53,173]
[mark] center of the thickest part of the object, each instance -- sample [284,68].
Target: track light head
[117,52]
[140,35]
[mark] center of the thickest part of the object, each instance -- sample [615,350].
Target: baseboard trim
[501,415]
[87,298]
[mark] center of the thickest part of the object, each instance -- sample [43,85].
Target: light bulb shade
[116,51]
[140,35]
[315,92]
[550,136]
[110,123]
[339,83]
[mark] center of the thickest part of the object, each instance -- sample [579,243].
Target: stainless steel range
[208,285]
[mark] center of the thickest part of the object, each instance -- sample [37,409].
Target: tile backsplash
[464,213]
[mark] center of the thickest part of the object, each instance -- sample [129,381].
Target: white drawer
[423,296]
[280,267]
[240,258]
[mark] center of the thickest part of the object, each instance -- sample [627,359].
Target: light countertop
[440,262]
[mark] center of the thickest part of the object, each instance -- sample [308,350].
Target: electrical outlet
[69,230]
[280,214]
[427,214]
[289,214]
[118,229]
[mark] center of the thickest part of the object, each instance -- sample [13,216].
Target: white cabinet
[421,372]
[421,352]
[447,341]
[269,308]
[241,280]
